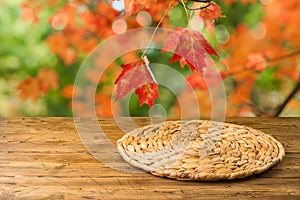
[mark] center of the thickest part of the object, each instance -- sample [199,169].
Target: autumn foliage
[35,87]
[137,76]
[248,52]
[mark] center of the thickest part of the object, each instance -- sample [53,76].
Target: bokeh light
[222,34]
[119,26]
[259,32]
[266,2]
[59,22]
[118,5]
[144,19]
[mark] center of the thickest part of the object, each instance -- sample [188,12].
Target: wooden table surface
[44,158]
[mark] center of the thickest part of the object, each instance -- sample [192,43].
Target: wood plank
[44,158]
[252,187]
[73,165]
[148,183]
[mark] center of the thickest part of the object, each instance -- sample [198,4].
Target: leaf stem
[186,11]
[154,32]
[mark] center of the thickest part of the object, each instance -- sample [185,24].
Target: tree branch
[290,96]
[280,108]
[267,60]
[279,58]
[206,3]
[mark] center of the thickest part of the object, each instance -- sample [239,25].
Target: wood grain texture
[44,158]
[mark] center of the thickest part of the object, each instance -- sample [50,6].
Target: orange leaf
[103,105]
[196,81]
[34,88]
[48,79]
[29,14]
[60,45]
[30,89]
[257,61]
[70,91]
[209,78]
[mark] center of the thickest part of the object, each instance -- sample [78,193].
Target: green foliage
[268,81]
[22,53]
[239,13]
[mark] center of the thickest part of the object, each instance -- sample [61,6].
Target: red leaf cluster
[210,15]
[147,93]
[138,76]
[190,45]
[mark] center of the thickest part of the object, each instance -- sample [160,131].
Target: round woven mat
[200,150]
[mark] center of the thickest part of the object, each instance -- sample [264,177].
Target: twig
[290,96]
[206,2]
[154,32]
[185,9]
[279,58]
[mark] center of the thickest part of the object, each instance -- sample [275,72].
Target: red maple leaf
[138,76]
[190,45]
[147,93]
[210,15]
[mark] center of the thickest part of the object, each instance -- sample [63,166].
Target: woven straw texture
[200,150]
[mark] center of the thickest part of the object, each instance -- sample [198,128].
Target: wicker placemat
[200,150]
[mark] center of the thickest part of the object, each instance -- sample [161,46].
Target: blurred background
[44,42]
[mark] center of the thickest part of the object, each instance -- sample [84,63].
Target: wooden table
[44,158]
